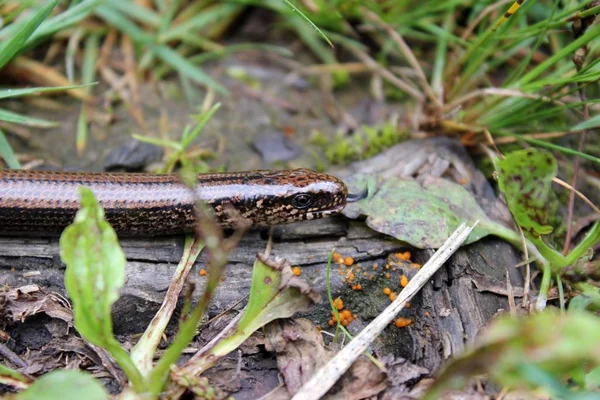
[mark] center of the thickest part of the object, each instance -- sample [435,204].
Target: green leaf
[13,117]
[592,379]
[94,276]
[183,66]
[7,153]
[422,215]
[591,123]
[6,93]
[10,373]
[305,18]
[274,293]
[95,269]
[555,345]
[64,385]
[15,44]
[525,178]
[189,135]
[136,11]
[63,20]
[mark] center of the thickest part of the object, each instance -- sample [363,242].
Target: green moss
[363,144]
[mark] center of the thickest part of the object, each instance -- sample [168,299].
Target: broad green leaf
[15,44]
[556,345]
[422,215]
[7,153]
[592,379]
[587,299]
[94,276]
[525,178]
[15,118]
[95,269]
[64,385]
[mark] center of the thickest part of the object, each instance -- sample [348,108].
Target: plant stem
[126,363]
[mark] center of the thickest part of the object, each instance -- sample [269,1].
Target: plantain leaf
[95,270]
[525,178]
[423,216]
[64,385]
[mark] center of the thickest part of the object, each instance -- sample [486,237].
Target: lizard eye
[302,200]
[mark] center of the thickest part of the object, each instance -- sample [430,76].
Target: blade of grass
[305,18]
[6,93]
[10,116]
[518,71]
[198,22]
[7,153]
[62,21]
[90,57]
[136,11]
[441,53]
[592,33]
[591,123]
[168,15]
[15,44]
[185,67]
[548,145]
[118,20]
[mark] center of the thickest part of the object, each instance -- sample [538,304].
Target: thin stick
[328,375]
[410,56]
[501,92]
[578,193]
[387,75]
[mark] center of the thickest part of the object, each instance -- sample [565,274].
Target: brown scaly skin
[44,203]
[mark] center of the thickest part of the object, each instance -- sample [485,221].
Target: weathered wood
[447,314]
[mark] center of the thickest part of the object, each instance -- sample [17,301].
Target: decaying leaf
[301,351]
[25,301]
[275,293]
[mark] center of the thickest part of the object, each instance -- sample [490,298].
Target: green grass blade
[518,71]
[136,11]
[194,24]
[548,145]
[10,93]
[185,67]
[9,116]
[16,43]
[63,20]
[441,53]
[305,18]
[592,33]
[591,123]
[119,21]
[7,153]
[168,15]
[202,119]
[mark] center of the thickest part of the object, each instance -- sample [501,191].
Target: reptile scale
[44,203]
